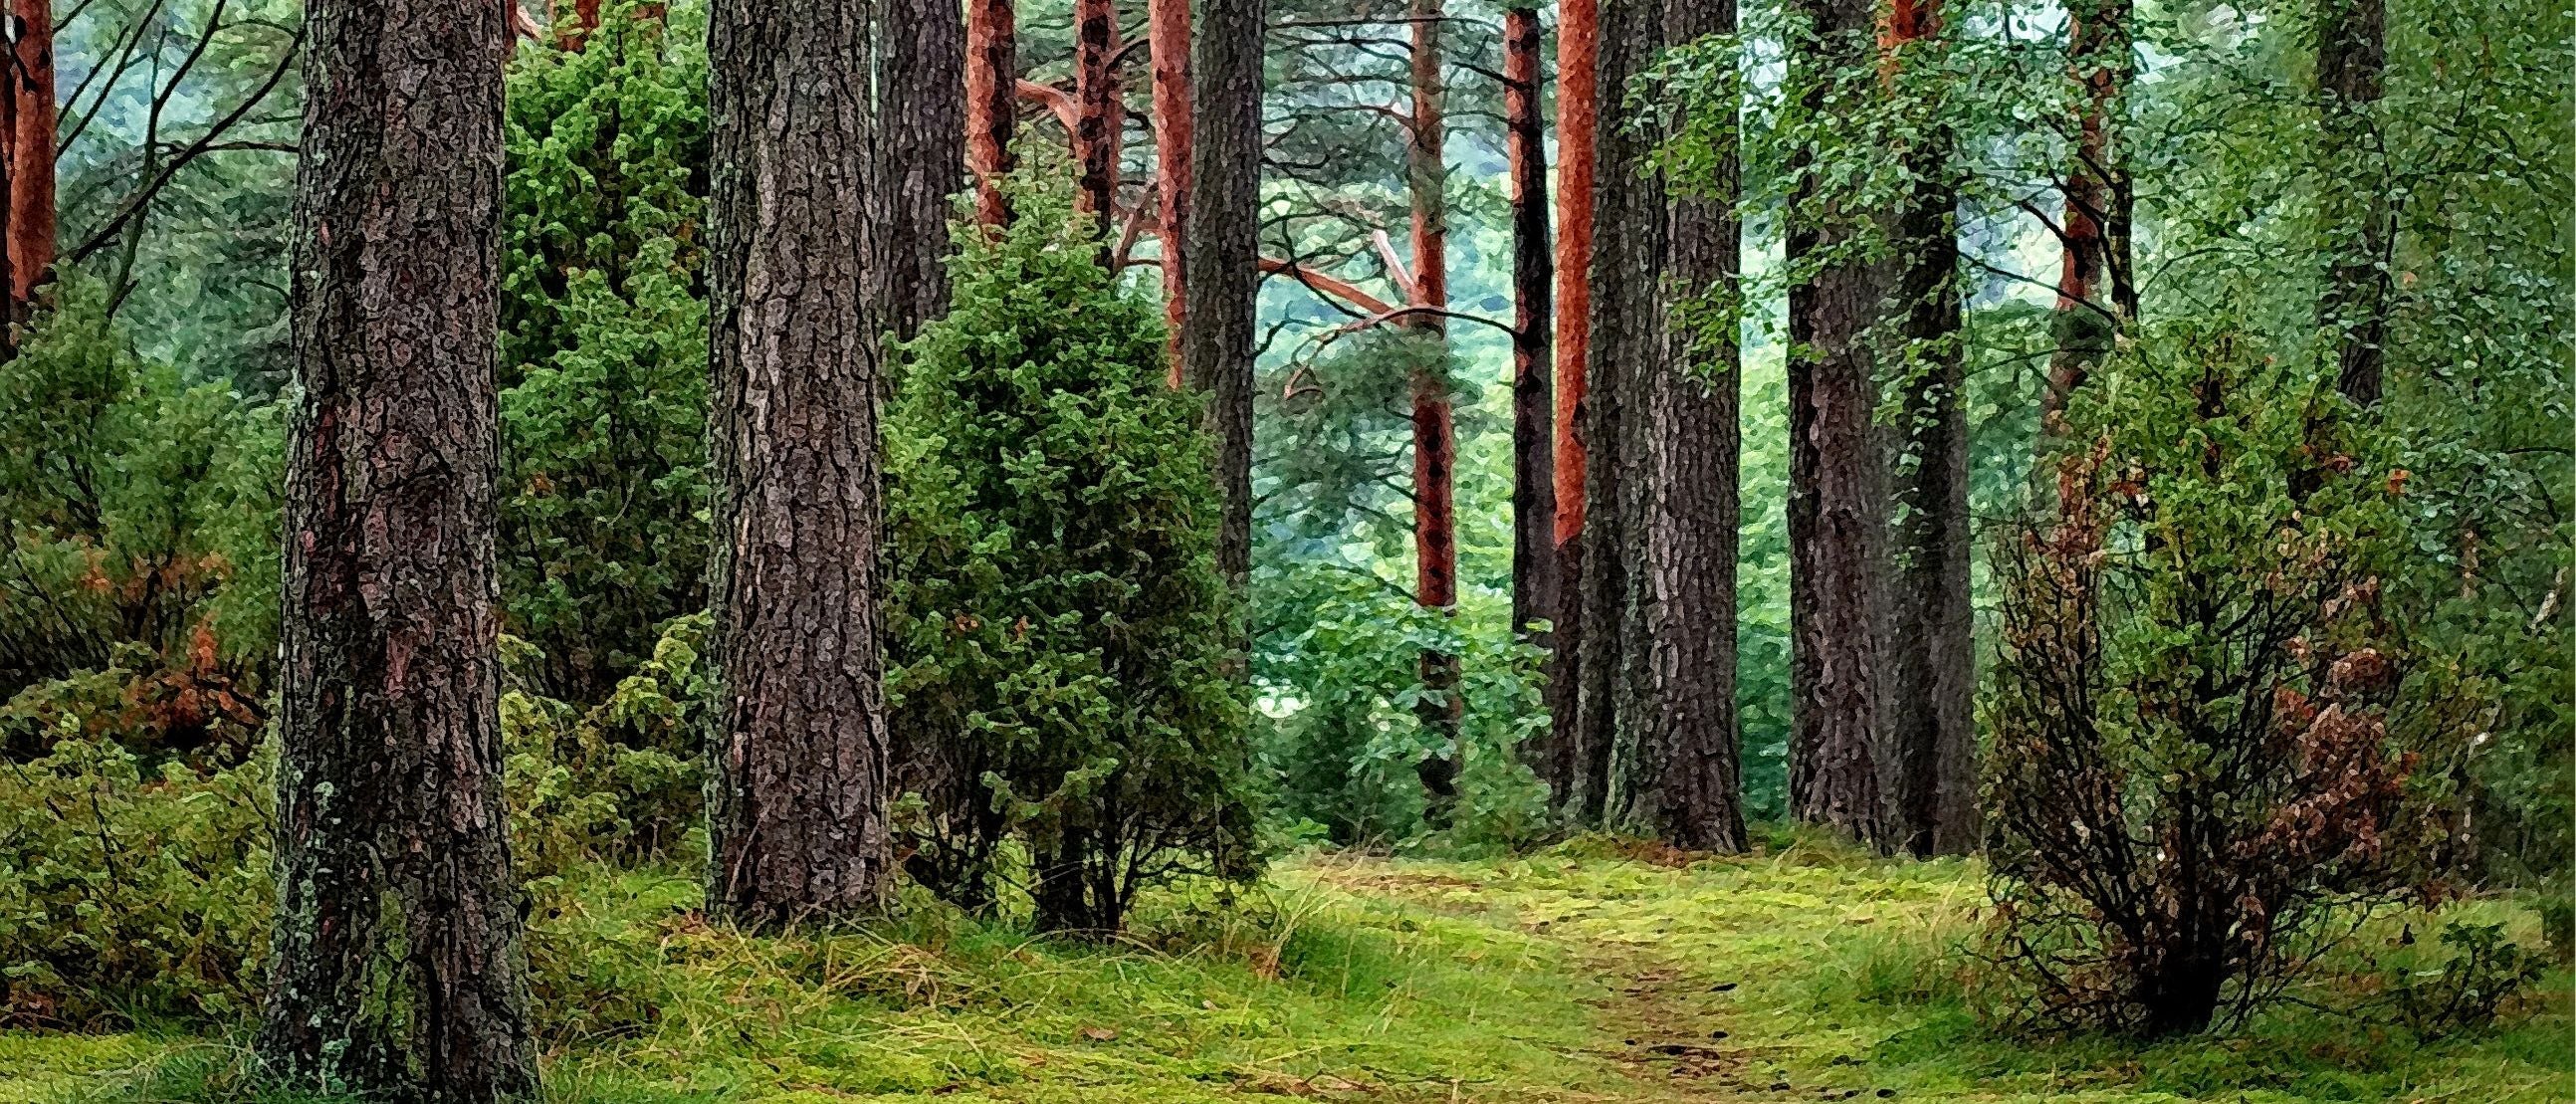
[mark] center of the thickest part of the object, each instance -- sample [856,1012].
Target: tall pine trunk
[1534,564]
[2096,290]
[1578,125]
[1168,37]
[1687,785]
[797,807]
[921,112]
[1435,444]
[1930,758]
[992,102]
[1099,117]
[29,216]
[2360,219]
[1222,253]
[1837,486]
[396,966]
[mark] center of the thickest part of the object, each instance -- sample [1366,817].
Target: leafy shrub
[1060,658]
[129,892]
[2484,971]
[2207,738]
[604,346]
[621,781]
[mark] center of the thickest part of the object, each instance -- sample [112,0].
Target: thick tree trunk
[1098,115]
[2094,233]
[992,102]
[1932,740]
[1837,490]
[30,163]
[921,113]
[797,808]
[1534,564]
[1223,251]
[1578,49]
[1686,785]
[396,968]
[1168,36]
[1435,444]
[2360,220]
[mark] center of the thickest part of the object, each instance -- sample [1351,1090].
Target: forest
[796,551]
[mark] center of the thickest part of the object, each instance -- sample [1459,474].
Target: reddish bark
[1578,121]
[1533,446]
[2095,232]
[31,156]
[1168,36]
[575,32]
[992,102]
[1435,444]
[1097,116]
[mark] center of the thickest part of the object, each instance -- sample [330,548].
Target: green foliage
[620,781]
[2485,971]
[604,346]
[1060,648]
[128,892]
[138,584]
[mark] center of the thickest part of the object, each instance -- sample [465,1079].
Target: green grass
[1574,975]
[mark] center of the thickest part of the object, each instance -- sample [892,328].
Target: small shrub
[2485,970]
[621,781]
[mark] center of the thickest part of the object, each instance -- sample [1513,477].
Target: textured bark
[2095,230]
[1930,761]
[1578,127]
[1435,442]
[1686,785]
[30,162]
[1223,254]
[1625,345]
[1168,36]
[992,102]
[796,810]
[921,112]
[2360,220]
[1098,117]
[397,969]
[1837,495]
[1534,564]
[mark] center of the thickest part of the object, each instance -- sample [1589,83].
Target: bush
[619,782]
[1061,658]
[2208,741]
[130,893]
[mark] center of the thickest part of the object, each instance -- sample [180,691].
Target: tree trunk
[1168,34]
[1837,490]
[2094,234]
[397,967]
[992,102]
[921,118]
[1435,444]
[30,164]
[1932,736]
[1098,114]
[2360,221]
[1578,51]
[796,810]
[1222,258]
[1534,563]
[1686,785]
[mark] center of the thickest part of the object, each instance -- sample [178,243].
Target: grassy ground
[1576,975]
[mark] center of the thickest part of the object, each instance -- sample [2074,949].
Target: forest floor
[1591,973]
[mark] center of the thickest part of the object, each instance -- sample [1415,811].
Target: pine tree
[1221,252]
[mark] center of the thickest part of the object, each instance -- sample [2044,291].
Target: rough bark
[1623,347]
[796,809]
[30,161]
[1098,116]
[1930,760]
[1435,443]
[1168,37]
[992,102]
[397,969]
[1534,564]
[1686,786]
[1578,127]
[2096,292]
[1223,251]
[2360,220]
[921,51]
[1837,488]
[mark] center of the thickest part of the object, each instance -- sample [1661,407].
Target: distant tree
[921,113]
[797,806]
[30,133]
[1578,125]
[992,102]
[397,966]
[1534,566]
[2097,287]
[1168,34]
[1221,252]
